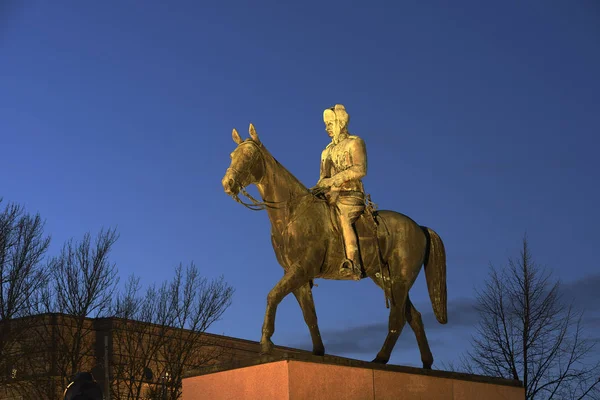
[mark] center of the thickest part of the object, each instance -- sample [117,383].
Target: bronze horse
[308,246]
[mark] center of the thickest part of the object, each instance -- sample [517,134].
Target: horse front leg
[292,280]
[307,304]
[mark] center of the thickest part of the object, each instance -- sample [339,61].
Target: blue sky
[481,121]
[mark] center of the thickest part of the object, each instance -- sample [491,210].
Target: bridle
[255,204]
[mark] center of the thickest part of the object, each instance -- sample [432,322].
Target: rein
[257,205]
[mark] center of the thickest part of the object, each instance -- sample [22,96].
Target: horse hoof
[427,362]
[379,360]
[266,347]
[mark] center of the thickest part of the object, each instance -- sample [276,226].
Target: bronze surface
[308,244]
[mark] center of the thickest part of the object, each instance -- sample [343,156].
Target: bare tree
[82,284]
[161,334]
[158,336]
[138,335]
[528,332]
[22,249]
[195,304]
[23,246]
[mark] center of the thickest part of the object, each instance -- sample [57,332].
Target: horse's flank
[299,215]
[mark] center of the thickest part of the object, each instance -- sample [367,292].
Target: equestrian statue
[334,231]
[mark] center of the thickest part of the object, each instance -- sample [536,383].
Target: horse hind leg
[305,300]
[396,322]
[413,317]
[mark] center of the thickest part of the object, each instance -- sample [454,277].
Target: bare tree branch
[22,249]
[23,246]
[83,282]
[528,332]
[161,333]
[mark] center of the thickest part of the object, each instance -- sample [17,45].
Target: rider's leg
[350,242]
[347,219]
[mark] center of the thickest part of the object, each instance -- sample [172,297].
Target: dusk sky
[481,121]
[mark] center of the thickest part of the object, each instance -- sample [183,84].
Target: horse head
[247,163]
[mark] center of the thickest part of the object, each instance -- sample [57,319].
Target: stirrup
[352,269]
[347,265]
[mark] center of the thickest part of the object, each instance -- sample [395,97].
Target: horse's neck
[278,186]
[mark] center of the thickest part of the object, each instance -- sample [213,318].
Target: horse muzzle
[230,186]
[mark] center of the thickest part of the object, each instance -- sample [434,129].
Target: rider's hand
[325,183]
[321,187]
[336,182]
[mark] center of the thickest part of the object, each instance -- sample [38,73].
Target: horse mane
[282,172]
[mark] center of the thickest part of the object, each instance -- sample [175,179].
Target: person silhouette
[83,387]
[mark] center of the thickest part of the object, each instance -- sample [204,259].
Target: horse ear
[253,134]
[236,136]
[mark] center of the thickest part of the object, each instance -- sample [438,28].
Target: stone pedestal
[326,378]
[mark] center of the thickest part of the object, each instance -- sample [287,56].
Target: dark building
[40,354]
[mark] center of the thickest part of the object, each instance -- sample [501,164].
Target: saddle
[368,235]
[371,239]
[367,230]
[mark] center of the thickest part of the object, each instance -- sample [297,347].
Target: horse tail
[435,274]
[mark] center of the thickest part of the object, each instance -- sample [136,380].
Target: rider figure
[343,165]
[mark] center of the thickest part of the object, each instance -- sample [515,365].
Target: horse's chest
[278,246]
